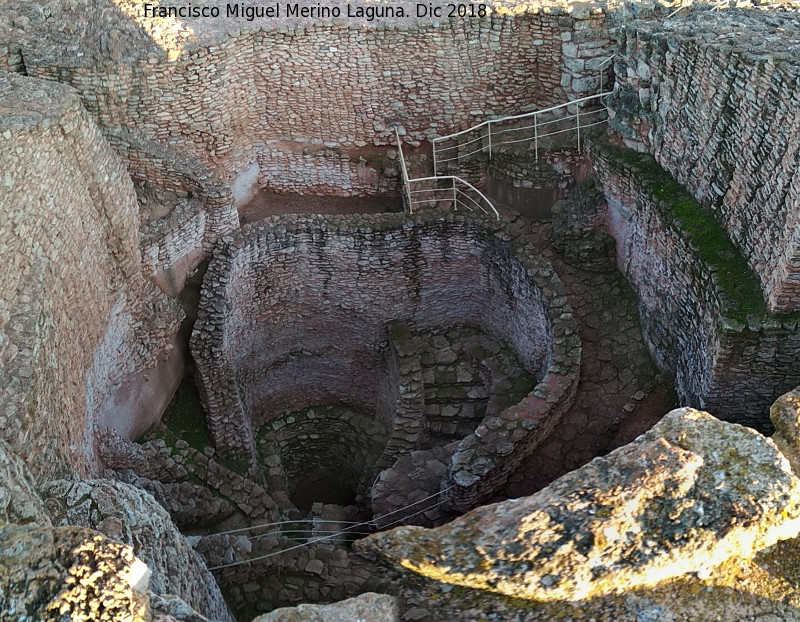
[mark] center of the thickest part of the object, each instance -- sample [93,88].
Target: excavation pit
[340,344]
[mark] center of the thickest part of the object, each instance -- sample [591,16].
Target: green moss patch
[185,418]
[736,285]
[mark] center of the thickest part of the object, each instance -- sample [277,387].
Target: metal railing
[447,191]
[455,149]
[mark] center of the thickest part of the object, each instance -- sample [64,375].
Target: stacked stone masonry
[174,244]
[155,464]
[320,454]
[449,380]
[406,401]
[733,366]
[230,90]
[325,171]
[717,101]
[322,571]
[276,327]
[69,241]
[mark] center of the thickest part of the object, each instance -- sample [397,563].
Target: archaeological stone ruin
[383,310]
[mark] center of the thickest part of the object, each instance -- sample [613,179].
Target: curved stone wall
[715,97]
[294,312]
[322,454]
[702,314]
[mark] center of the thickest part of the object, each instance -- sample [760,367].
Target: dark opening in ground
[533,203]
[338,488]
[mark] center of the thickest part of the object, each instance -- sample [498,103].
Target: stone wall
[173,245]
[222,89]
[450,380]
[169,169]
[294,312]
[325,453]
[155,464]
[533,185]
[404,402]
[326,171]
[289,332]
[77,318]
[715,96]
[702,313]
[285,572]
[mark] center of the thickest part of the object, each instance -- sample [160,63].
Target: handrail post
[435,171]
[404,171]
[578,123]
[536,135]
[455,196]
[489,127]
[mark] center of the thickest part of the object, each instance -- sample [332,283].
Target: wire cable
[333,536]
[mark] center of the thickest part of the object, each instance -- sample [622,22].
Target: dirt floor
[267,203]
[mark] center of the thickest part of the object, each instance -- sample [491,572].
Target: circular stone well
[298,313]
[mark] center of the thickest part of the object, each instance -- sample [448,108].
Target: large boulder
[130,515]
[369,607]
[69,573]
[682,498]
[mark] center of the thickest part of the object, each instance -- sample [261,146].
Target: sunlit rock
[132,516]
[684,497]
[785,416]
[69,573]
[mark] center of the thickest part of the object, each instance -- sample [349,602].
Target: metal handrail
[492,142]
[455,195]
[439,160]
[404,171]
[524,115]
[600,70]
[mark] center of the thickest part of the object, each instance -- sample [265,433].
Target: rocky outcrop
[189,505]
[369,607]
[132,516]
[69,573]
[686,496]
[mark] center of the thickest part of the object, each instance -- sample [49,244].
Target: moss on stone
[185,418]
[736,285]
